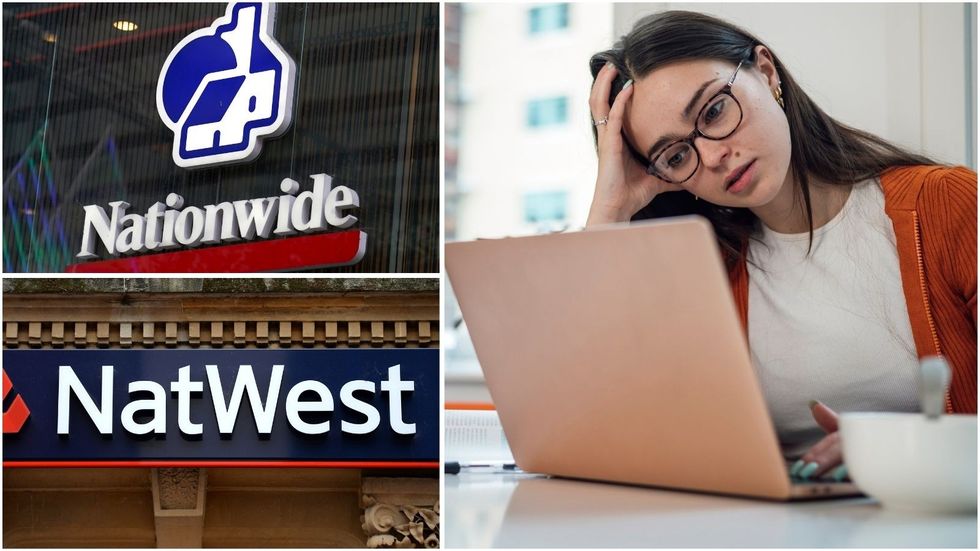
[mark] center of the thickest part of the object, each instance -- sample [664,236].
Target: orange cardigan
[934,212]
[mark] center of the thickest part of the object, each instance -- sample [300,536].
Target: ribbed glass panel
[80,123]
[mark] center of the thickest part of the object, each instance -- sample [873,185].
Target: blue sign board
[228,405]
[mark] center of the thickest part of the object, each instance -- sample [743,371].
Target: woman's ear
[766,65]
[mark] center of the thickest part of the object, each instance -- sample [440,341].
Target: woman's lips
[744,180]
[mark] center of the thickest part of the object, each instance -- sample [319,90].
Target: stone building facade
[220,507]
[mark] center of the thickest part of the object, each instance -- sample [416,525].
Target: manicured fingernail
[813,403]
[628,84]
[840,473]
[808,470]
[608,65]
[795,469]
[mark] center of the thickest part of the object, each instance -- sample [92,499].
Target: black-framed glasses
[718,119]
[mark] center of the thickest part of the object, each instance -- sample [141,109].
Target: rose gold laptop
[616,354]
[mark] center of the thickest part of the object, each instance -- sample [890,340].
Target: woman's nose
[713,152]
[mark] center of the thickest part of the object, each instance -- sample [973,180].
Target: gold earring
[778,96]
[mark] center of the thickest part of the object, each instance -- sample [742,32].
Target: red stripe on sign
[310,251]
[241,464]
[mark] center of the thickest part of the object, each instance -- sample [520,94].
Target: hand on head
[623,186]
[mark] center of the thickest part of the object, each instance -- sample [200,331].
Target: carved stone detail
[178,487]
[401,512]
[178,506]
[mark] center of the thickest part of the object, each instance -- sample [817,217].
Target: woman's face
[761,142]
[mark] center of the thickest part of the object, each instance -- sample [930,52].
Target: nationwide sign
[169,224]
[222,90]
[345,408]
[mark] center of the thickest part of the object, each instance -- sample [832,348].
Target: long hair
[822,147]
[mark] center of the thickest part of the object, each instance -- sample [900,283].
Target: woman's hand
[622,187]
[825,454]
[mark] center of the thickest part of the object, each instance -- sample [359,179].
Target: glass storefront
[81,127]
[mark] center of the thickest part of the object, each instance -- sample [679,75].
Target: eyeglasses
[717,120]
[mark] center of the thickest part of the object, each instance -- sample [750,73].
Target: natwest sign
[160,406]
[170,224]
[243,389]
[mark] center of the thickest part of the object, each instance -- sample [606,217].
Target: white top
[833,326]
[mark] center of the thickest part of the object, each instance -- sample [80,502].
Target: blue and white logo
[224,88]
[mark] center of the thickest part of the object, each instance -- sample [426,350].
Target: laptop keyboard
[824,479]
[799,481]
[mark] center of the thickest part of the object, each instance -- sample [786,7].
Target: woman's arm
[949,205]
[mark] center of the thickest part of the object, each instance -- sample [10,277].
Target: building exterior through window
[82,127]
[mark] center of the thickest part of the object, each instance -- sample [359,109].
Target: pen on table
[453,467]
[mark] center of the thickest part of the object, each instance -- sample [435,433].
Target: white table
[522,510]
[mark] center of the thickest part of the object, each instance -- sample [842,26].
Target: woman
[849,258]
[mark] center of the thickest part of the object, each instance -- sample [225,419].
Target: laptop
[616,354]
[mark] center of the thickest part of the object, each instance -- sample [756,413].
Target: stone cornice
[254,285]
[153,320]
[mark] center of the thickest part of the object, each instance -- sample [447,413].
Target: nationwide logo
[16,414]
[224,88]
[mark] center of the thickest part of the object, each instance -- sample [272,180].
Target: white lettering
[190,226]
[341,198]
[254,219]
[175,202]
[184,387]
[348,399]
[154,231]
[289,187]
[95,218]
[245,381]
[68,382]
[169,224]
[229,228]
[152,411]
[157,404]
[394,386]
[294,406]
[306,213]
[131,237]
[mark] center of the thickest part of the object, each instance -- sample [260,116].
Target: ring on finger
[601,122]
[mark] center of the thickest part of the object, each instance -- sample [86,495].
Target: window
[547,112]
[547,18]
[541,207]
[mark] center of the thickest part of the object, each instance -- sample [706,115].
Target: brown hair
[821,146]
